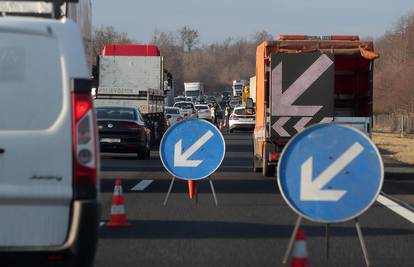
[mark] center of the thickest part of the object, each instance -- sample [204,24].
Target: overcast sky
[218,19]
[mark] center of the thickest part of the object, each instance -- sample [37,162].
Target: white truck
[238,86]
[195,90]
[133,76]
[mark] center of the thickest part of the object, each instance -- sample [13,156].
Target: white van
[49,164]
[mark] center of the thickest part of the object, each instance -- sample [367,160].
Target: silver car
[187,109]
[204,112]
[173,115]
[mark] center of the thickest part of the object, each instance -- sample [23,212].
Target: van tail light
[179,119]
[194,111]
[84,134]
[234,117]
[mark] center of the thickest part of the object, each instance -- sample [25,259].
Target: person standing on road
[214,112]
[227,115]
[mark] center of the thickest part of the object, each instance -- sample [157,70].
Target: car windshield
[110,113]
[172,111]
[244,111]
[184,105]
[201,107]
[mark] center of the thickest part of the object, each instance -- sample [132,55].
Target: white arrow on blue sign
[330,173]
[192,149]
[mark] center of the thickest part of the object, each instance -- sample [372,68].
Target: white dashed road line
[141,186]
[397,208]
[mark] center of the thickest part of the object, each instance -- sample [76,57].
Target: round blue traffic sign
[330,173]
[192,149]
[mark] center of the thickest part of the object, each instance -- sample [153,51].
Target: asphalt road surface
[252,224]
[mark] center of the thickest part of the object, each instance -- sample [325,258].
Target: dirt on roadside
[399,148]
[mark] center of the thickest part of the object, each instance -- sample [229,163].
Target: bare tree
[262,36]
[189,37]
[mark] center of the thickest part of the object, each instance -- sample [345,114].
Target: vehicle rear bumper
[78,249]
[122,147]
[247,126]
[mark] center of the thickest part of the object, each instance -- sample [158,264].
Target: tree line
[218,64]
[394,70]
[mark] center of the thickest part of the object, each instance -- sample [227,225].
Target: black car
[123,130]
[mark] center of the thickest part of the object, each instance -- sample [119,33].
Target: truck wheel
[268,170]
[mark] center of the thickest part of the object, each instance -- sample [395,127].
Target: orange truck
[304,80]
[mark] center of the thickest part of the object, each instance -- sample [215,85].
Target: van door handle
[2,151]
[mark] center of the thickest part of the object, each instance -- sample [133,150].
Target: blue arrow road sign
[330,173]
[192,149]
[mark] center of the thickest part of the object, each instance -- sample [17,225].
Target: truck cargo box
[303,80]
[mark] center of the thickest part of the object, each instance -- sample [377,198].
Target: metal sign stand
[213,191]
[296,228]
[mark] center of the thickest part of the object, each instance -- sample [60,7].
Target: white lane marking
[101,224]
[142,185]
[395,207]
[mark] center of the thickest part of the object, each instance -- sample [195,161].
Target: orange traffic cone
[192,188]
[118,216]
[300,252]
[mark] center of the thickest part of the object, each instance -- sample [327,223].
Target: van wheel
[268,170]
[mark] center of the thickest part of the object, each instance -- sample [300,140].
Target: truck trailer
[133,76]
[303,80]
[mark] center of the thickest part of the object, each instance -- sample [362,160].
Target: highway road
[250,227]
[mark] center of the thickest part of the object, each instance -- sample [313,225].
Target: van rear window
[31,88]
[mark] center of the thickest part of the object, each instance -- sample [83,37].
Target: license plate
[110,140]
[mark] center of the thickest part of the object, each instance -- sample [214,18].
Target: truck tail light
[84,136]
[274,157]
